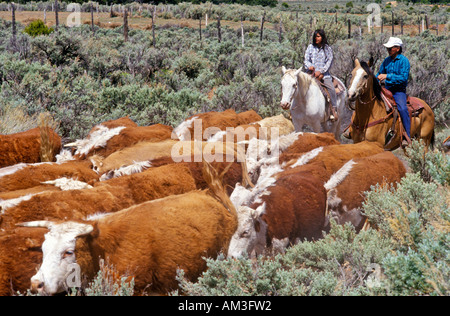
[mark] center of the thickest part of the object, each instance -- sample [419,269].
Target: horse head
[363,79]
[289,85]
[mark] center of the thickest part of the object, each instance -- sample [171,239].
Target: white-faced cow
[347,186]
[149,241]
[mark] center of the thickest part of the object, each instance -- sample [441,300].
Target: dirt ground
[104,20]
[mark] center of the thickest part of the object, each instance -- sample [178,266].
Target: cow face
[251,232]
[58,255]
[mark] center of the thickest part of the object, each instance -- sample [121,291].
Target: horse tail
[432,140]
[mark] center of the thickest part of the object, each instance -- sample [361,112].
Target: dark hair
[322,34]
[376,84]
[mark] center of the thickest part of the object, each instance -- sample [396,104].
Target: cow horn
[45,224]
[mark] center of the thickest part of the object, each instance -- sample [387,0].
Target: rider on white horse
[318,60]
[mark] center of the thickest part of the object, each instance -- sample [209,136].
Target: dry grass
[15,120]
[46,124]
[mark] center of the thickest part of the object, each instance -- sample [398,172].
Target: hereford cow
[333,156]
[148,242]
[20,257]
[195,126]
[262,153]
[108,196]
[104,141]
[27,147]
[291,208]
[315,166]
[267,128]
[25,176]
[347,186]
[144,153]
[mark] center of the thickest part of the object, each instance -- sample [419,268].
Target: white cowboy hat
[393,41]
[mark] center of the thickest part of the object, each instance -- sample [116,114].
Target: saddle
[338,87]
[415,105]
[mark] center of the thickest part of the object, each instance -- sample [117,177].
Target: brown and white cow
[263,153]
[25,176]
[204,125]
[267,128]
[257,205]
[149,241]
[108,196]
[26,147]
[104,140]
[20,257]
[347,186]
[291,208]
[145,153]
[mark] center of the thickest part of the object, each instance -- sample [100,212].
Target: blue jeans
[400,99]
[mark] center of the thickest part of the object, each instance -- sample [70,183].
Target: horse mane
[376,84]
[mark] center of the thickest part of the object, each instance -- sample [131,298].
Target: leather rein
[373,123]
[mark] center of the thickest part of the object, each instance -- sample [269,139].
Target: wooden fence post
[437,25]
[125,24]
[56,14]
[200,26]
[262,26]
[349,28]
[92,18]
[219,31]
[280,34]
[14,30]
[393,33]
[242,30]
[153,25]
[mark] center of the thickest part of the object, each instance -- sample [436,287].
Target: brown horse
[372,122]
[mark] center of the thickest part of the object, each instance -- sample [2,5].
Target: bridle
[292,96]
[361,129]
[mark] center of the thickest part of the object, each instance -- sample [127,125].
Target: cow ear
[95,230]
[84,229]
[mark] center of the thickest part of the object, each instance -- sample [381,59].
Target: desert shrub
[407,246]
[59,48]
[416,218]
[190,64]
[432,166]
[334,265]
[37,28]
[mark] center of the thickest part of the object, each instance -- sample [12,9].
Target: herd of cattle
[120,194]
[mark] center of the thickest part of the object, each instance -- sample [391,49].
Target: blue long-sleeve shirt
[397,71]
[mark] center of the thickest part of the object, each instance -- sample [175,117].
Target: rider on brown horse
[394,72]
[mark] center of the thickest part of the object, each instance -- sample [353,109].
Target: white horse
[302,95]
